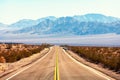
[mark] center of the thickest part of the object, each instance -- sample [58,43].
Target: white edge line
[30,65]
[89,68]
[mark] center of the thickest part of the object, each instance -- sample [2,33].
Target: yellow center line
[56,73]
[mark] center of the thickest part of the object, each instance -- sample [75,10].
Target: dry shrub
[2,59]
[107,56]
[15,52]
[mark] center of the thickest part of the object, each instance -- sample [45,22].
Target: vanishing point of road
[57,64]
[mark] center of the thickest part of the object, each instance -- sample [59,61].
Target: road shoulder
[95,66]
[12,67]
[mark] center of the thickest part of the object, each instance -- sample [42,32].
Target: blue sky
[14,10]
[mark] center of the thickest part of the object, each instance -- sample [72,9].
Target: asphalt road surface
[57,65]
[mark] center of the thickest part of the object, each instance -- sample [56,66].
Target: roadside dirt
[95,66]
[6,68]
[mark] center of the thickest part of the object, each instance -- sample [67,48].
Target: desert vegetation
[108,57]
[14,52]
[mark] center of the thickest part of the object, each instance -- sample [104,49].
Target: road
[57,65]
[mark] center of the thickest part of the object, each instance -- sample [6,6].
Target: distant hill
[89,24]
[3,26]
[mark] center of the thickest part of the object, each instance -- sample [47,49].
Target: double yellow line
[56,73]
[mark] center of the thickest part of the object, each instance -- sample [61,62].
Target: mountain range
[89,24]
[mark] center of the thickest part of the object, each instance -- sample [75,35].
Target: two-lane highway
[58,65]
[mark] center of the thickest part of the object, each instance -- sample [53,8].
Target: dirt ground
[6,68]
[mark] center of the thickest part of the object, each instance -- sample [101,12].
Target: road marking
[89,68]
[29,65]
[56,73]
